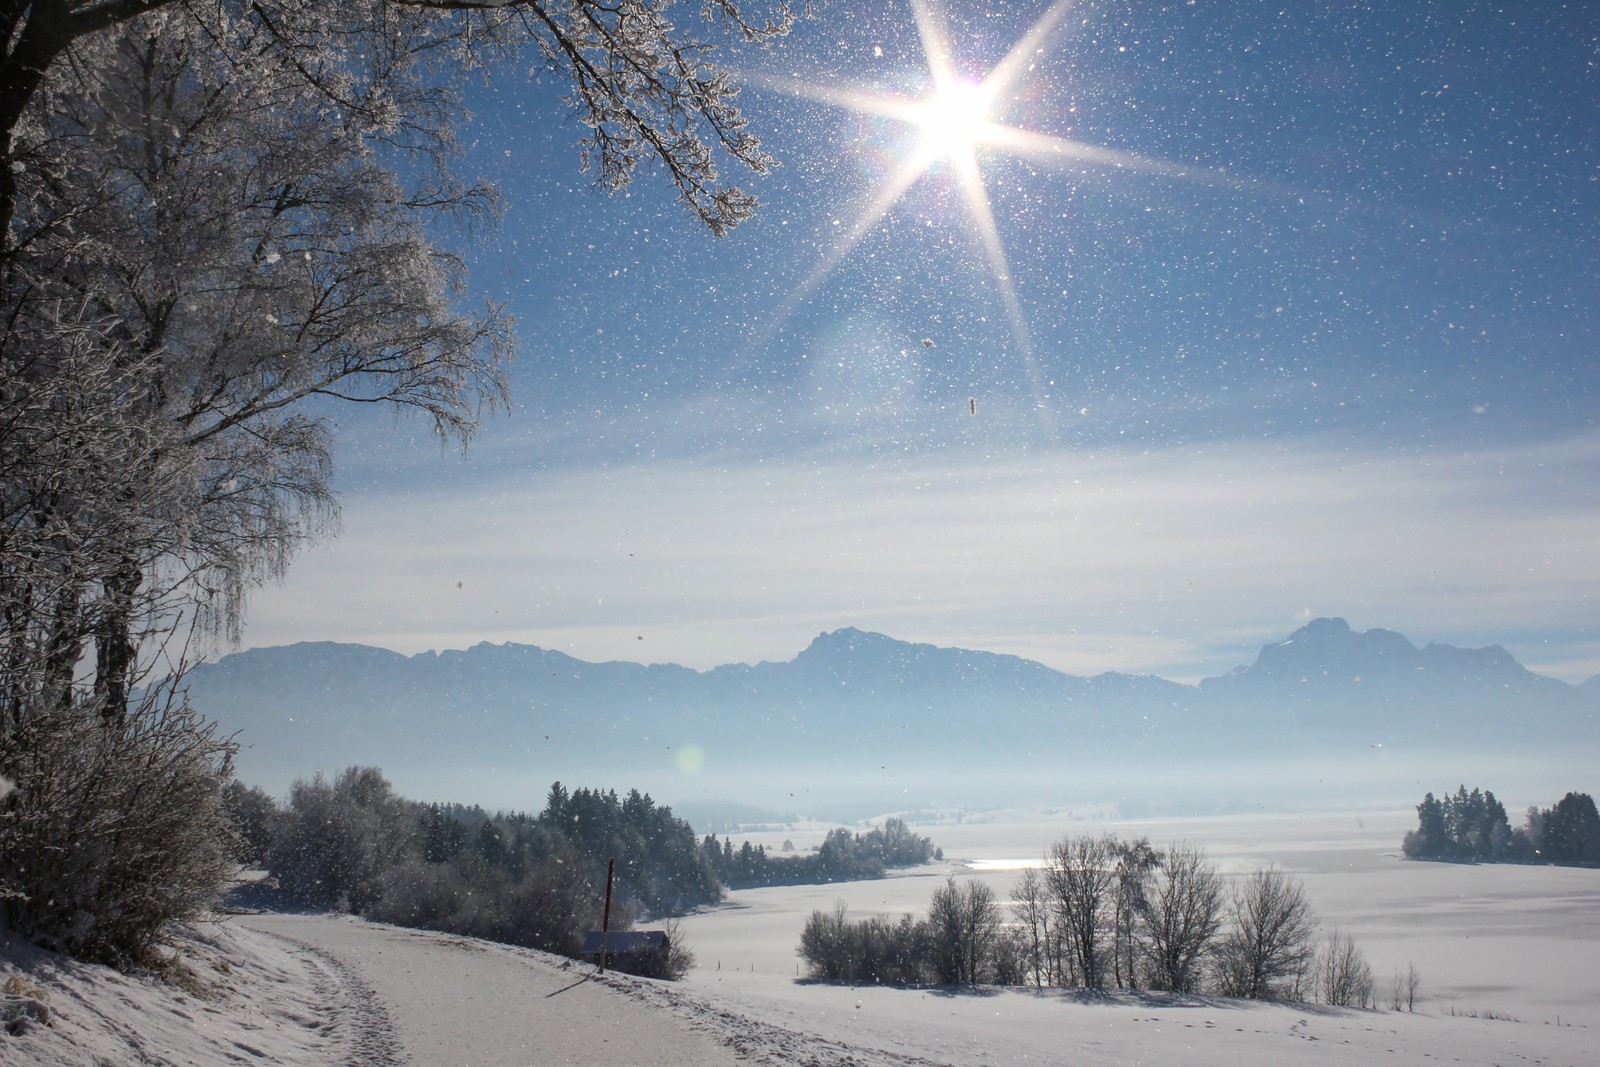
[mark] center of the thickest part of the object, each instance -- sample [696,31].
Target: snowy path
[433,999]
[358,1028]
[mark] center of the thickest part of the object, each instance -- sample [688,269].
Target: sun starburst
[957,120]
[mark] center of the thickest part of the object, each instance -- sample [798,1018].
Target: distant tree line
[842,857]
[1473,827]
[1102,913]
[351,844]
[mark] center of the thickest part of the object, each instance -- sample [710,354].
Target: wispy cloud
[1176,561]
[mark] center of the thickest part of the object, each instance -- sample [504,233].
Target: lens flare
[691,759]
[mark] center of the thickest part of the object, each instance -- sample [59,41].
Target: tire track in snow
[357,1017]
[759,1040]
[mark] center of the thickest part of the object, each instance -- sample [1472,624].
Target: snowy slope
[267,1001]
[307,989]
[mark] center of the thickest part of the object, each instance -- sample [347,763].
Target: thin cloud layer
[1173,562]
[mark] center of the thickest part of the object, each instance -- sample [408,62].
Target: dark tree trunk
[114,660]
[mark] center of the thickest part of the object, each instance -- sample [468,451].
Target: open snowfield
[1523,941]
[1517,942]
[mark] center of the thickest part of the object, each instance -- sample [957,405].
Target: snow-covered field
[1507,939]
[1516,943]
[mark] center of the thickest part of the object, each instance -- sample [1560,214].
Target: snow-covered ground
[1507,939]
[325,989]
[1517,943]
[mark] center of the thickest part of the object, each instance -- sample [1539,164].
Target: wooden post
[605,919]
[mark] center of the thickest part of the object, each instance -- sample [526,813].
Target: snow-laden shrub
[426,895]
[338,839]
[113,828]
[256,821]
[549,905]
[872,951]
[553,904]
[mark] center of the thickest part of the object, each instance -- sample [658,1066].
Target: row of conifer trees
[1474,827]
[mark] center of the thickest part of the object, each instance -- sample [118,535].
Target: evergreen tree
[1430,839]
[555,804]
[1570,832]
[1499,842]
[491,845]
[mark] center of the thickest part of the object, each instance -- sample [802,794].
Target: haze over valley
[859,723]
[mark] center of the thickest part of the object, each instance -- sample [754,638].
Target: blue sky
[1325,344]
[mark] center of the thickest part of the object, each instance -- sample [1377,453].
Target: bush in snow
[256,821]
[113,828]
[548,906]
[680,957]
[1343,976]
[962,941]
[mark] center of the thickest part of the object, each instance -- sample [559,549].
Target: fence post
[605,920]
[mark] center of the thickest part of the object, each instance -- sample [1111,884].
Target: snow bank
[237,996]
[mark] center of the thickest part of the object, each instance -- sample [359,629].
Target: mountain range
[862,715]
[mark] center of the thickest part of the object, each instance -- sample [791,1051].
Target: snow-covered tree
[963,923]
[1030,907]
[644,87]
[224,243]
[1081,873]
[1272,939]
[217,219]
[1184,916]
[339,838]
[1136,864]
[1343,976]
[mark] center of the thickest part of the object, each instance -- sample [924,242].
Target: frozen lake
[1513,940]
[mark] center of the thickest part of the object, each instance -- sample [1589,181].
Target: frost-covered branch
[646,88]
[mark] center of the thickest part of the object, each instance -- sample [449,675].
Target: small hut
[641,952]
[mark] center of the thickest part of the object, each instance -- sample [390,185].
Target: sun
[954,120]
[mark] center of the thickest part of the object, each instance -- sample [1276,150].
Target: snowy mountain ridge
[877,711]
